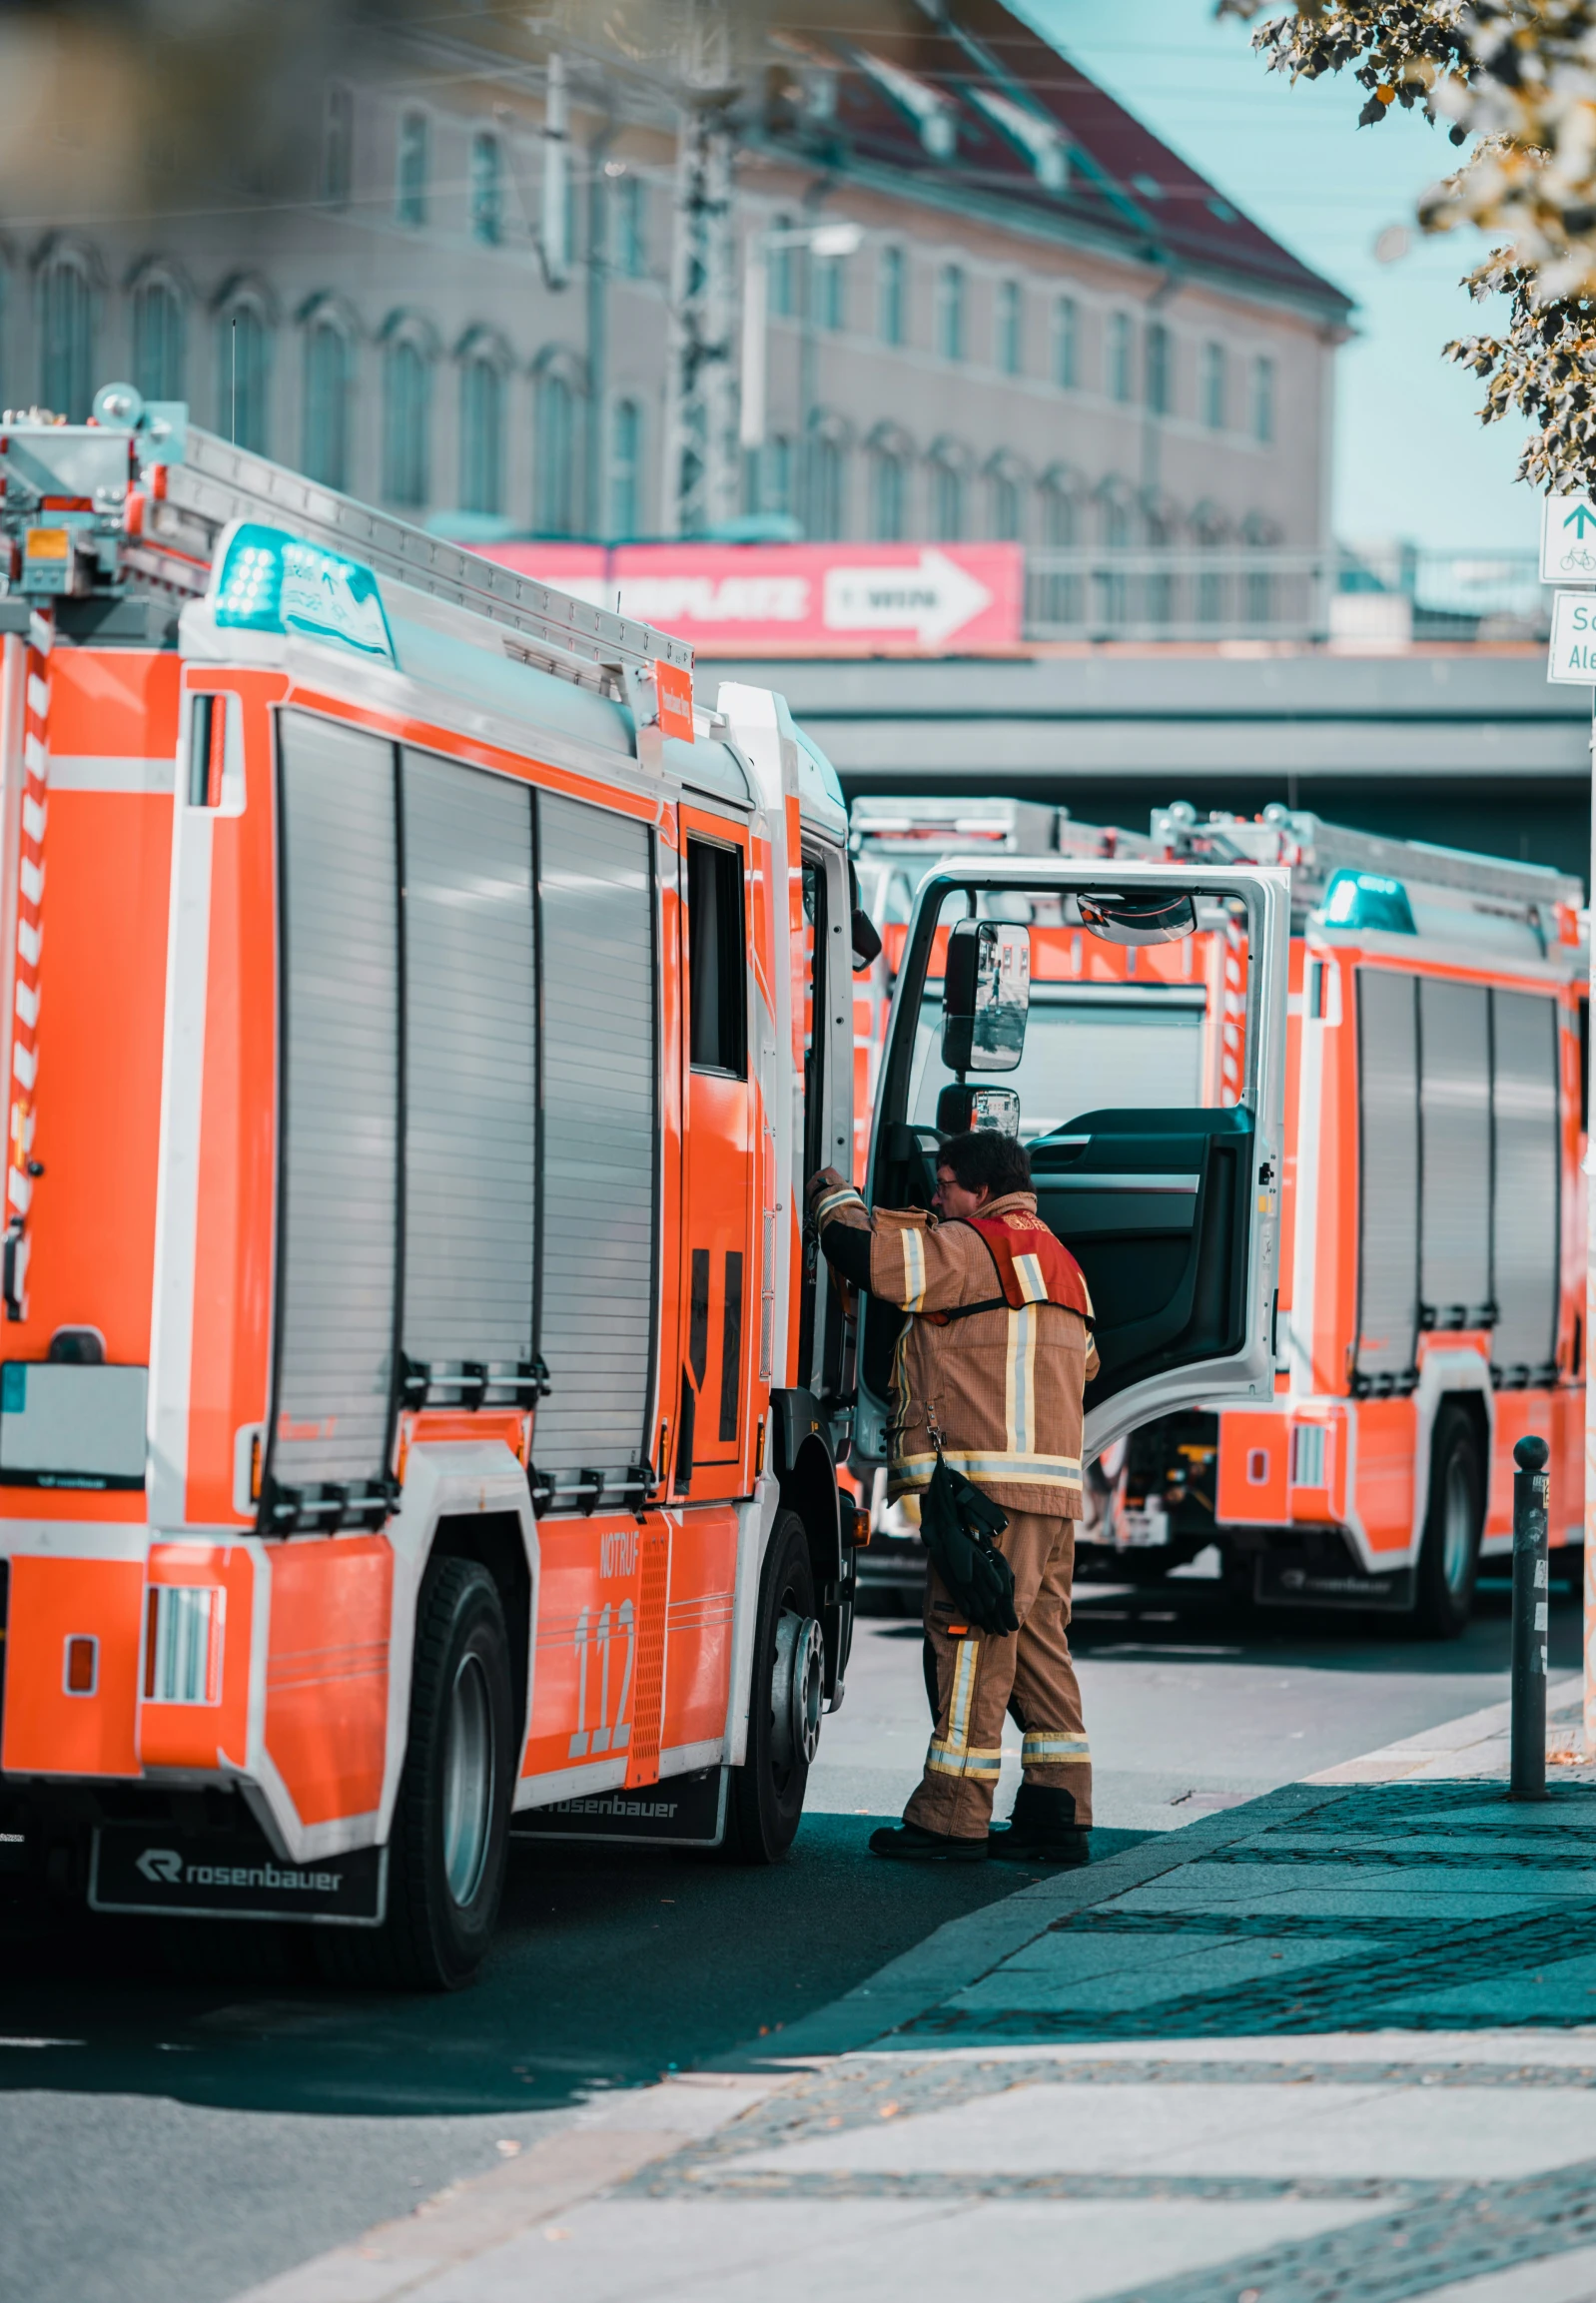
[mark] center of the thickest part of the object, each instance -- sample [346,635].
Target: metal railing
[1385,597]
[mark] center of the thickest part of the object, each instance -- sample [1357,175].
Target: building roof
[982,102]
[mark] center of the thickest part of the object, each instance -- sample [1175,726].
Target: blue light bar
[271,581]
[1367,900]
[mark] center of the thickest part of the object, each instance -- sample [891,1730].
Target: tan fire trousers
[981,1676]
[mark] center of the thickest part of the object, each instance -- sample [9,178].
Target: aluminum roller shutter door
[470,1065]
[339,1220]
[595,883]
[1525,1229]
[1387,1051]
[1454,1033]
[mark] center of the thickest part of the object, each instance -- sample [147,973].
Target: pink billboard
[800,599]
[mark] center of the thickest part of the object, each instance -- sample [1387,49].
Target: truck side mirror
[961,1111]
[986,996]
[866,941]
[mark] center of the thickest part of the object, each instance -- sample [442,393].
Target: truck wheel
[448,1849]
[765,1797]
[1448,1557]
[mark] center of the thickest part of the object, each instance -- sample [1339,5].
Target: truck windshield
[1088,1047]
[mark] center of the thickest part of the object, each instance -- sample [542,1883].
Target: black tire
[447,1852]
[765,1797]
[1448,1558]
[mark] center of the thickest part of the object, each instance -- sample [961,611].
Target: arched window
[482,431]
[1113,515]
[893,283]
[66,338]
[329,366]
[1212,530]
[1213,382]
[554,456]
[1005,512]
[159,330]
[1060,525]
[1066,344]
[773,476]
[829,289]
[889,496]
[947,499]
[1160,369]
[1009,346]
[625,467]
[488,199]
[244,375]
[410,199]
[1263,399]
[1118,356]
[1059,588]
[407,420]
[949,311]
[1259,535]
[1162,525]
[824,510]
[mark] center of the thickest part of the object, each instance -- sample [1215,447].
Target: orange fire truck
[1431,1282]
[417,1406]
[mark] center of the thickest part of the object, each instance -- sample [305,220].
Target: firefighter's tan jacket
[1003,1386]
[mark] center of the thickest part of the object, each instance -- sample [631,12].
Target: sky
[1412,457]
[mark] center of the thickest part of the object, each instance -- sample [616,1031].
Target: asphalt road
[179,2120]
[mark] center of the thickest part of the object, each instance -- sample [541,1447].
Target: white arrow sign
[931,601]
[1568,540]
[1572,655]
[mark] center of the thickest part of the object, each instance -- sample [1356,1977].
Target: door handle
[12,1265]
[685,1422]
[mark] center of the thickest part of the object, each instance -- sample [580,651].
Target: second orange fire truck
[1431,1282]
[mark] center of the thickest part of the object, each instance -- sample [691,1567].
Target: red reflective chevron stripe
[1026,1254]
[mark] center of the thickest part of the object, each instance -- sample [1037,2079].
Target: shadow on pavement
[608,1970]
[1110,1617]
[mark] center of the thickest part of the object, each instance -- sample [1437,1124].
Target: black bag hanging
[957,1525]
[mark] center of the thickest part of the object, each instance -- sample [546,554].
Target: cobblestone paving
[1419,2236]
[1414,1910]
[857,2096]
[1434,1907]
[1462,2233]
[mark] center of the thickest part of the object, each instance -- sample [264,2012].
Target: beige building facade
[1049,329]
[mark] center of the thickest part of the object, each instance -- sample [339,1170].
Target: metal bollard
[1530,1595]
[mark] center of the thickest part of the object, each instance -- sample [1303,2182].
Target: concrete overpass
[1468,745]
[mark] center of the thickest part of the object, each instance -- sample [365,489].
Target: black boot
[910,1844]
[1041,1829]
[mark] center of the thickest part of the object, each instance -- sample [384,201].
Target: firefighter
[990,1371]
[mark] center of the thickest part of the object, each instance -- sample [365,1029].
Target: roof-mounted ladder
[153,500]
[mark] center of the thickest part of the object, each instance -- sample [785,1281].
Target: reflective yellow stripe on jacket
[983,1464]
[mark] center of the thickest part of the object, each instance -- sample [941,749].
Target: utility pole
[700,470]
[598,254]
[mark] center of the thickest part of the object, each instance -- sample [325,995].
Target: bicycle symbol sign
[1568,540]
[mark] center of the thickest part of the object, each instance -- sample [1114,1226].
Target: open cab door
[1095,1008]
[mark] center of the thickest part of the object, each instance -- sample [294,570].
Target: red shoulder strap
[1034,1266]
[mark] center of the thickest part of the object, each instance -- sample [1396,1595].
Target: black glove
[957,1525]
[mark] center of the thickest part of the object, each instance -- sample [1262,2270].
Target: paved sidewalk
[1337,2044]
